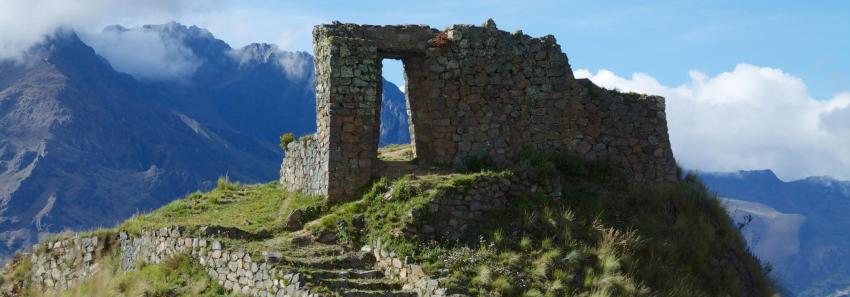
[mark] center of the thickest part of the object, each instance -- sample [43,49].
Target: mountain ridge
[816,269]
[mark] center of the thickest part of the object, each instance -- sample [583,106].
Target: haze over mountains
[800,227]
[83,145]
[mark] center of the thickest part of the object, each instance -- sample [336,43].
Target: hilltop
[600,237]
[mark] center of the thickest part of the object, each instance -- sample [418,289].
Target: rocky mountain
[83,145]
[799,226]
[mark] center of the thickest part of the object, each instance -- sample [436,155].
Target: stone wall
[473,92]
[452,210]
[630,130]
[412,275]
[306,170]
[61,264]
[236,270]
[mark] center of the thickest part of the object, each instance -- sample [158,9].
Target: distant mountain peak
[762,173]
[254,53]
[65,49]
[176,29]
[759,174]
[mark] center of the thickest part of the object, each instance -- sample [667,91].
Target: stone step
[361,284]
[327,262]
[376,293]
[344,274]
[312,251]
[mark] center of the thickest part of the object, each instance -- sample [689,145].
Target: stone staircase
[330,270]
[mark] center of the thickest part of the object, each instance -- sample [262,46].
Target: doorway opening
[394,142]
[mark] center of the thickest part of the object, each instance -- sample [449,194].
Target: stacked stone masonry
[471,92]
[450,213]
[61,264]
[411,274]
[307,168]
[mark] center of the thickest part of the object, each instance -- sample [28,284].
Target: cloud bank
[294,65]
[749,118]
[145,54]
[26,23]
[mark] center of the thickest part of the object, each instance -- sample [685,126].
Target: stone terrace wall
[236,270]
[61,264]
[474,91]
[305,169]
[411,274]
[448,215]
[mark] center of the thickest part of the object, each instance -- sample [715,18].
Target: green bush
[285,139]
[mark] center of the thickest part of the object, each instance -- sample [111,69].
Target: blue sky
[663,38]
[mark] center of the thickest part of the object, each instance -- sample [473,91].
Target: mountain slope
[87,151]
[822,262]
[83,145]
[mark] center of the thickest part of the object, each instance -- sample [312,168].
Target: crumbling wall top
[392,41]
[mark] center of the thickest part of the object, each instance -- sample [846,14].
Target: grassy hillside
[604,237]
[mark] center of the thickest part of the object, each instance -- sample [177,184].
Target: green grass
[259,210]
[377,215]
[396,152]
[256,209]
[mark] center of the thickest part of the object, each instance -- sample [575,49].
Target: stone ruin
[472,92]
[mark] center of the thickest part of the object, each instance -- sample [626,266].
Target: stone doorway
[395,114]
[397,159]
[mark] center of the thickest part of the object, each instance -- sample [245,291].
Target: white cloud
[750,118]
[241,25]
[145,54]
[294,65]
[24,23]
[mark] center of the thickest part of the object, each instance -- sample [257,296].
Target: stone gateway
[472,92]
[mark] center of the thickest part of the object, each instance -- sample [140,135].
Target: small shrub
[285,139]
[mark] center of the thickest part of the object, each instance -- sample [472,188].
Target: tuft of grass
[224,184]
